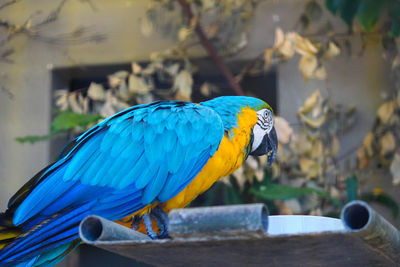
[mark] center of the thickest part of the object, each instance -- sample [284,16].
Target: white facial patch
[263,126]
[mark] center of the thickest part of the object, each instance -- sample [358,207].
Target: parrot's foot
[161,219]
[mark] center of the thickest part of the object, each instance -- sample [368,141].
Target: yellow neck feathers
[229,157]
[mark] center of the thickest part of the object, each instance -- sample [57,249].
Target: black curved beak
[268,146]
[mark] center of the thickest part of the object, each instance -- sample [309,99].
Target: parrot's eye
[265,120]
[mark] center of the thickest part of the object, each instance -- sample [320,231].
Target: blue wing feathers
[175,159]
[146,174]
[137,131]
[95,166]
[119,145]
[169,140]
[155,185]
[75,163]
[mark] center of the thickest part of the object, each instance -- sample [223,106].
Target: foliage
[381,145]
[367,12]
[81,109]
[312,54]
[64,121]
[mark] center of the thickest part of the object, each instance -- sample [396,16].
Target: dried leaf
[279,37]
[317,149]
[96,92]
[183,83]
[314,123]
[395,169]
[306,164]
[304,47]
[387,143]
[367,143]
[385,111]
[184,33]
[114,81]
[307,66]
[303,145]
[74,103]
[362,158]
[283,130]
[193,21]
[123,91]
[332,51]
[205,89]
[319,73]
[107,110]
[310,102]
[286,49]
[85,103]
[172,69]
[122,74]
[136,68]
[28,24]
[137,85]
[268,57]
[62,99]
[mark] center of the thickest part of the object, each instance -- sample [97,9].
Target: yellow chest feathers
[229,157]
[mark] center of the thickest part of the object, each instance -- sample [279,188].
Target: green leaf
[332,5]
[383,199]
[348,10]
[69,119]
[313,11]
[351,188]
[38,138]
[283,192]
[395,29]
[369,12]
[394,14]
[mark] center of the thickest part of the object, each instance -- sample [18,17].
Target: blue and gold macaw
[145,160]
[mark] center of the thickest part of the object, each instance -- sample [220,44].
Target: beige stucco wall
[356,81]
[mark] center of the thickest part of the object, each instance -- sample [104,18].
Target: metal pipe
[94,228]
[362,221]
[220,221]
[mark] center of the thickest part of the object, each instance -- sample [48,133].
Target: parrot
[143,161]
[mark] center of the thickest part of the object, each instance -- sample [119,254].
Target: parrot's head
[264,140]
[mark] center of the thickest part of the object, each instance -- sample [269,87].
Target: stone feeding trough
[244,235]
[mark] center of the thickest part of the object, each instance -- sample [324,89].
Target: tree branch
[210,49]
